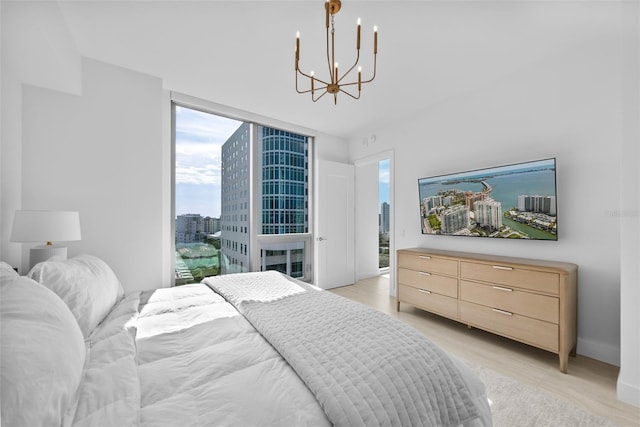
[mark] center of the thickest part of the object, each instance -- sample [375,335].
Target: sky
[383,183]
[536,164]
[199,140]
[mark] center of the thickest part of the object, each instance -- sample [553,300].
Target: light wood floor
[589,383]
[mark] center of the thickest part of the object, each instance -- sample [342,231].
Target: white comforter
[198,363]
[186,357]
[364,367]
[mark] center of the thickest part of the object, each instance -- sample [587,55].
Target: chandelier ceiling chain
[334,85]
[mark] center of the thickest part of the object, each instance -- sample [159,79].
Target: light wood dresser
[527,300]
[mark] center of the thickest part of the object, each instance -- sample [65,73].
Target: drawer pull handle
[507,313]
[424,257]
[424,273]
[500,267]
[500,288]
[424,291]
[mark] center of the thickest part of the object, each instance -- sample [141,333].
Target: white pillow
[43,355]
[85,283]
[7,273]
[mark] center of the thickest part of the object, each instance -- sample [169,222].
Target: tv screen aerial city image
[516,201]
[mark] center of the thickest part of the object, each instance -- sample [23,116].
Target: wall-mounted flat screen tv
[516,201]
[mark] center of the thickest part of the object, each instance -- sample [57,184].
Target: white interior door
[366,210]
[335,236]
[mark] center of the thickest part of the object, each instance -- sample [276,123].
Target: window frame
[257,241]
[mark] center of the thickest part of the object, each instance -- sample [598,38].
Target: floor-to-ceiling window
[199,137]
[241,197]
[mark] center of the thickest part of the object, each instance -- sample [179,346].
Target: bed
[250,349]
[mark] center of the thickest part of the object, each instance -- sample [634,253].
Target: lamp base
[45,252]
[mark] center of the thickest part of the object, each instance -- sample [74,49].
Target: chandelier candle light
[335,84]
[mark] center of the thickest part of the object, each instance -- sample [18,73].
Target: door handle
[320,239]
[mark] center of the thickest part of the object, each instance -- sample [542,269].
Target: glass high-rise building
[283,159]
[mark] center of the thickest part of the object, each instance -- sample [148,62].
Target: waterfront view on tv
[515,201]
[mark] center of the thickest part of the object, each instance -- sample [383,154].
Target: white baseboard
[600,351]
[367,275]
[628,393]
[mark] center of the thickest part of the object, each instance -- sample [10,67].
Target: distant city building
[433,202]
[189,228]
[384,218]
[454,219]
[234,217]
[470,198]
[211,225]
[488,213]
[541,204]
[192,228]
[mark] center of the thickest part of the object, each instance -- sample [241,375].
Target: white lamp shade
[45,226]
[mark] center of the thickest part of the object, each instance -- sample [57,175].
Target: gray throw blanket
[364,367]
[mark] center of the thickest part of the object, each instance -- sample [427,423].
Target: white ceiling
[240,53]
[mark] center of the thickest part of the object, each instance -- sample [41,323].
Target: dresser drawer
[428,263]
[505,274]
[540,307]
[443,285]
[531,331]
[436,303]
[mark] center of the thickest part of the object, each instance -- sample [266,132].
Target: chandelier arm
[349,84]
[353,96]
[362,81]
[350,69]
[314,91]
[309,90]
[323,88]
[309,76]
[297,90]
[316,99]
[374,71]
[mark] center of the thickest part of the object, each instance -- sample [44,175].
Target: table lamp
[45,226]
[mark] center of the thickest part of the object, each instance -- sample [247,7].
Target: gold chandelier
[336,82]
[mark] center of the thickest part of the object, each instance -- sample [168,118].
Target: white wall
[78,135]
[629,378]
[37,49]
[101,154]
[568,107]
